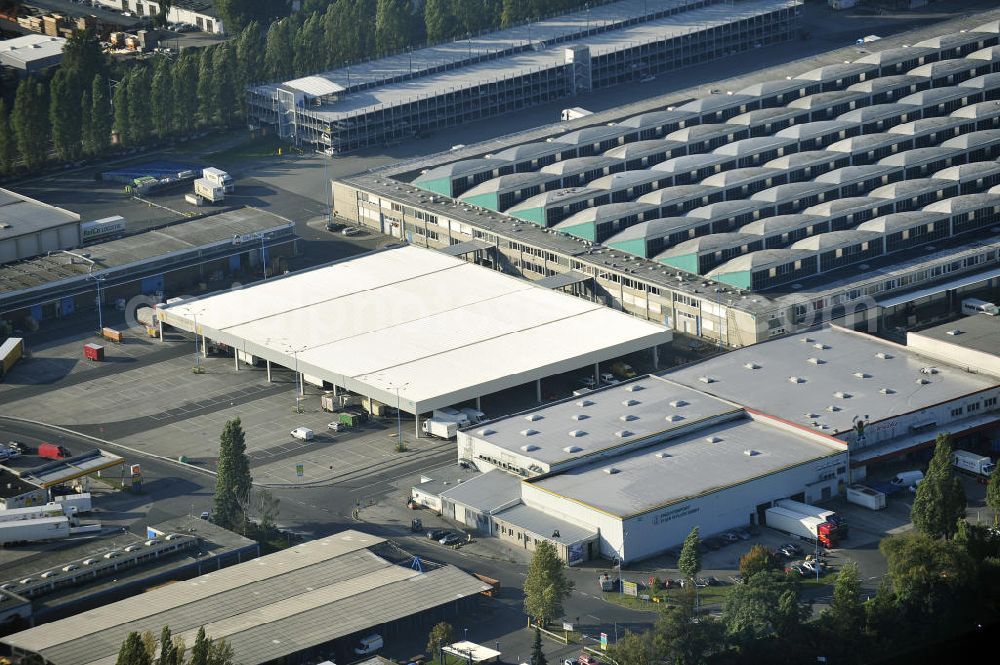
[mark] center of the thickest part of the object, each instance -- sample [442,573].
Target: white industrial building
[31,228]
[972,343]
[31,54]
[199,13]
[415,328]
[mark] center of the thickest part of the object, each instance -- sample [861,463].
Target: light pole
[263,254]
[98,279]
[197,355]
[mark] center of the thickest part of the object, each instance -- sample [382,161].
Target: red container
[93,352]
[52,451]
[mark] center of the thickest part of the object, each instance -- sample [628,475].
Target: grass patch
[254,148]
[707,596]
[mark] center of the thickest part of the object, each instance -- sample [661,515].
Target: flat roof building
[31,54]
[29,228]
[424,331]
[360,579]
[971,342]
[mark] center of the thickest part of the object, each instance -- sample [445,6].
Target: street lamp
[98,279]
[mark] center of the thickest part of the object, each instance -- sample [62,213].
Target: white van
[303,433]
[908,478]
[369,645]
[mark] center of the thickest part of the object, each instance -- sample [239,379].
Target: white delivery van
[908,478]
[369,645]
[303,433]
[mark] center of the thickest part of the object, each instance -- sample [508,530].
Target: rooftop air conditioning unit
[674,418]
[579,416]
[487,432]
[634,387]
[572,449]
[796,379]
[712,439]
[584,402]
[533,417]
[623,433]
[882,355]
[611,470]
[630,402]
[840,394]
[677,403]
[576,433]
[887,391]
[751,365]
[628,417]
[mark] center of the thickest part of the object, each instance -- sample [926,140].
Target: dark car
[437,534]
[451,538]
[334,226]
[18,446]
[714,543]
[790,549]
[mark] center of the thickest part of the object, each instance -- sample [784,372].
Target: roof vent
[630,402]
[833,409]
[634,387]
[815,361]
[579,416]
[661,455]
[623,433]
[955,332]
[572,449]
[887,391]
[796,379]
[487,431]
[611,470]
[751,365]
[533,417]
[529,432]
[922,381]
[929,370]
[806,340]
[882,355]
[840,394]
[529,447]
[821,346]
[677,403]
[628,417]
[862,375]
[674,418]
[584,402]
[706,379]
[576,433]
[712,439]
[750,452]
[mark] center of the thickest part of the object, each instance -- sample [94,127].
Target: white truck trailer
[804,526]
[32,513]
[28,531]
[977,465]
[453,415]
[444,429]
[209,191]
[80,503]
[866,496]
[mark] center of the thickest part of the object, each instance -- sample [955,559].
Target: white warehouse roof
[433,327]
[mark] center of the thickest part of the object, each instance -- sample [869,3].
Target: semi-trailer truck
[209,191]
[52,451]
[26,531]
[76,503]
[812,529]
[29,513]
[866,496]
[444,429]
[971,463]
[815,511]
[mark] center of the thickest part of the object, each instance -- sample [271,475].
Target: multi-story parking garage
[396,98]
[665,209]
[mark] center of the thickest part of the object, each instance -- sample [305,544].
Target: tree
[207,94]
[224,83]
[162,100]
[250,56]
[30,123]
[64,116]
[846,614]
[8,154]
[761,606]
[100,115]
[993,496]
[441,635]
[278,54]
[881,617]
[185,83]
[514,12]
[82,58]
[201,651]
[140,112]
[689,562]
[926,572]
[306,46]
[392,26]
[268,513]
[680,636]
[149,644]
[757,560]
[440,20]
[545,586]
[537,655]
[634,649]
[232,480]
[132,651]
[86,122]
[160,19]
[120,101]
[220,653]
[940,499]
[168,651]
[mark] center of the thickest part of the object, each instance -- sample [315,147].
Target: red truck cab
[52,451]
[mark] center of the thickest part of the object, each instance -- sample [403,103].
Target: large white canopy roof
[433,327]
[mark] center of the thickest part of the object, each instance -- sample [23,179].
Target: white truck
[474,415]
[444,429]
[29,513]
[866,496]
[27,531]
[209,191]
[804,526]
[220,178]
[76,503]
[574,113]
[977,465]
[454,415]
[907,478]
[102,229]
[973,306]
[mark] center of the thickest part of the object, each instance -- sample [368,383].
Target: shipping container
[112,335]
[32,513]
[26,531]
[10,352]
[102,229]
[93,352]
[866,496]
[208,190]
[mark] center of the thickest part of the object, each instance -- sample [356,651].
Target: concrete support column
[268,370]
[204,347]
[302,385]
[236,359]
[597,374]
[160,324]
[479,403]
[538,390]
[416,430]
[656,357]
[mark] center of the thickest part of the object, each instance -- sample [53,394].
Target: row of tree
[168,649]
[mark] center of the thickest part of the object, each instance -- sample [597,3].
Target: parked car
[351,231]
[205,515]
[18,446]
[335,426]
[588,382]
[334,227]
[608,379]
[814,567]
[730,537]
[8,453]
[451,539]
[437,534]
[303,433]
[369,645]
[713,581]
[790,549]
[736,579]
[796,568]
